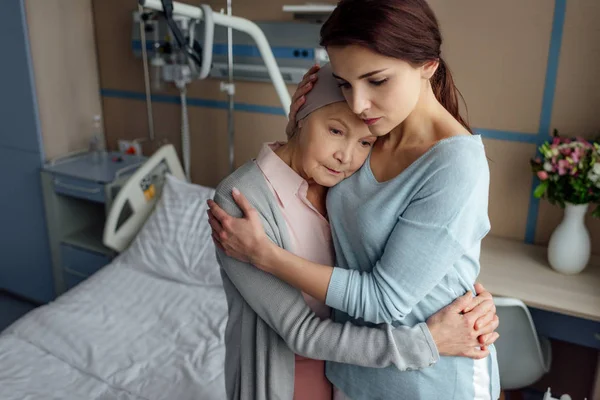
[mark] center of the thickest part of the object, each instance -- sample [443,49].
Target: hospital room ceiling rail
[243,25]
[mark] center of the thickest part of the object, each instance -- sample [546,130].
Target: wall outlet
[130,147]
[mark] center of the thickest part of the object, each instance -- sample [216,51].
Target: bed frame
[137,198]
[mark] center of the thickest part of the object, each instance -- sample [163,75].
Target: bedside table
[78,192]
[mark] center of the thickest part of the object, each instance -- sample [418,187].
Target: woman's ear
[301,123]
[429,68]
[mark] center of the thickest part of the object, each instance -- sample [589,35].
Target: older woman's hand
[466,327]
[298,99]
[241,238]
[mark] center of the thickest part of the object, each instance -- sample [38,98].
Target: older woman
[278,337]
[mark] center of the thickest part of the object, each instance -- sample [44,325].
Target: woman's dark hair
[403,29]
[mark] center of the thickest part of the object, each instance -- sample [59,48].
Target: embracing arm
[283,308]
[415,259]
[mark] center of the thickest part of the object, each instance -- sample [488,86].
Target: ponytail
[447,93]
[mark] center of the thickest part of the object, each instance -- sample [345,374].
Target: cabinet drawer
[82,262]
[72,280]
[80,188]
[567,328]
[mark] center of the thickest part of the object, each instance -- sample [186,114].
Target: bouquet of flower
[569,172]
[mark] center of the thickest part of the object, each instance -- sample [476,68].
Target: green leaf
[541,189]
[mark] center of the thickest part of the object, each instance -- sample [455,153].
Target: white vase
[570,247]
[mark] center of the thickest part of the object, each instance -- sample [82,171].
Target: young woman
[407,227]
[269,321]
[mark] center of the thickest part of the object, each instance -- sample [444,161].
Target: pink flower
[563,167]
[543,175]
[575,157]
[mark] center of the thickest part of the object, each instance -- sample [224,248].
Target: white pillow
[175,242]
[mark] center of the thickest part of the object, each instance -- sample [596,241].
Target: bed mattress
[134,330]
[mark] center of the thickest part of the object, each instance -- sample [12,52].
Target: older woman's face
[334,143]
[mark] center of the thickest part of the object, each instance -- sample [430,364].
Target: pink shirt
[311,239]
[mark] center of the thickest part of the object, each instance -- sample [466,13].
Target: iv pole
[230,89]
[242,25]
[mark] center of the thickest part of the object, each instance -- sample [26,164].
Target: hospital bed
[149,325]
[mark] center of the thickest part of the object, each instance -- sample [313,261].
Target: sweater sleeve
[283,308]
[446,216]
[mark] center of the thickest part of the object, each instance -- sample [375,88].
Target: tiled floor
[11,309]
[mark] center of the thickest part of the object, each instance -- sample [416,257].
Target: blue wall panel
[25,266]
[18,107]
[25,263]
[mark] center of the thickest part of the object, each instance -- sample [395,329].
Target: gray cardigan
[269,320]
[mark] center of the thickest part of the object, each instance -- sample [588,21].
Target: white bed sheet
[138,329]
[30,373]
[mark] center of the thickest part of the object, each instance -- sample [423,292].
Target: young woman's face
[333,144]
[381,90]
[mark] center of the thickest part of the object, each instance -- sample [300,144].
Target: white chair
[523,357]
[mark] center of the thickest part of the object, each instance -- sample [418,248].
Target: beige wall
[498,52]
[63,50]
[577,95]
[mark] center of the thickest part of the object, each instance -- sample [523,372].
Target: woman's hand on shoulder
[241,238]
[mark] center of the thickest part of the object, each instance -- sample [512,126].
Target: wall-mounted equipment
[294,45]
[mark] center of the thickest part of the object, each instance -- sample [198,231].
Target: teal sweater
[405,248]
